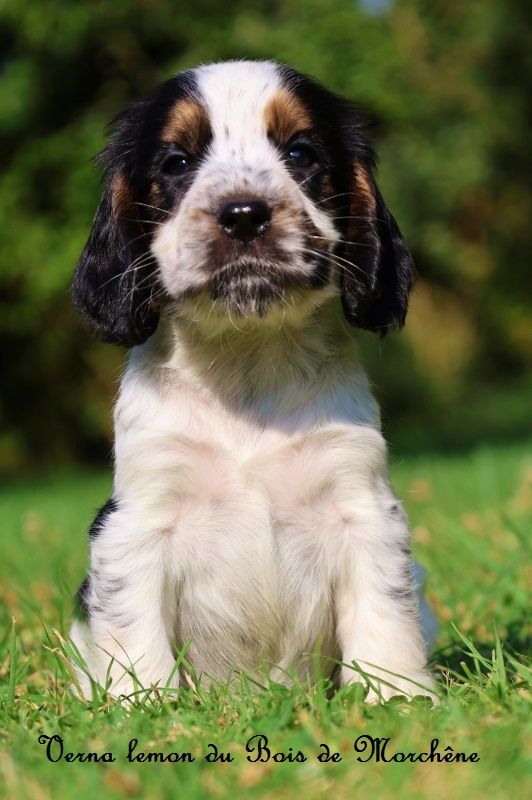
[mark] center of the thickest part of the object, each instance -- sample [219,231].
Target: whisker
[128,269]
[334,259]
[143,257]
[140,285]
[132,241]
[339,241]
[143,221]
[333,197]
[367,218]
[302,183]
[156,208]
[231,320]
[145,279]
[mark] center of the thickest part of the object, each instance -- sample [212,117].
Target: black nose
[244,219]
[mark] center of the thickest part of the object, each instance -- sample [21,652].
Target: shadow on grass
[466,655]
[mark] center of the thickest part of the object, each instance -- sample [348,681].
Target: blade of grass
[13,666]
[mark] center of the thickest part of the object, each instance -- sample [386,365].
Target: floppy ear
[113,283]
[375,289]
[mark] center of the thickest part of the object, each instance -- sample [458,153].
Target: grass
[470,516]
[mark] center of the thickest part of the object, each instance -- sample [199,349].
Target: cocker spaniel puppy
[239,237]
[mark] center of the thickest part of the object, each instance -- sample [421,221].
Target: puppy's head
[246,185]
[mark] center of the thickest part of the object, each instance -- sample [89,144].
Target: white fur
[259,529]
[254,514]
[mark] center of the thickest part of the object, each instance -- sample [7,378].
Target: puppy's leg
[127,604]
[377,606]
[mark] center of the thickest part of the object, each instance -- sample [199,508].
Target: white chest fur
[252,506]
[253,499]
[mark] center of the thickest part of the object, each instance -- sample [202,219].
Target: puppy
[239,238]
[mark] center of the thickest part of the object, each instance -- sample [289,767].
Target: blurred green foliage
[446,83]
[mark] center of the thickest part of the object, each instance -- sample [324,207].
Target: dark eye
[176,163]
[301,156]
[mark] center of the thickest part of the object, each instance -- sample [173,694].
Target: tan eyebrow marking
[188,126]
[285,115]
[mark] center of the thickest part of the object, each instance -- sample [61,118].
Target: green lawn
[470,516]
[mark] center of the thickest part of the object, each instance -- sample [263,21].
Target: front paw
[421,685]
[382,686]
[126,688]
[133,690]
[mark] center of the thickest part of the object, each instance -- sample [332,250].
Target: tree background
[446,84]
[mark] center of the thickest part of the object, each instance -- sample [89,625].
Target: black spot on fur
[81,599]
[404,548]
[403,594]
[82,595]
[101,517]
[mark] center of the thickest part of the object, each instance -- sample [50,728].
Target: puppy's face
[242,172]
[247,186]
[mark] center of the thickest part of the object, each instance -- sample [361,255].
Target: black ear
[376,287]
[114,281]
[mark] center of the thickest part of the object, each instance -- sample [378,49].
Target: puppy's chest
[224,485]
[253,518]
[255,548]
[258,501]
